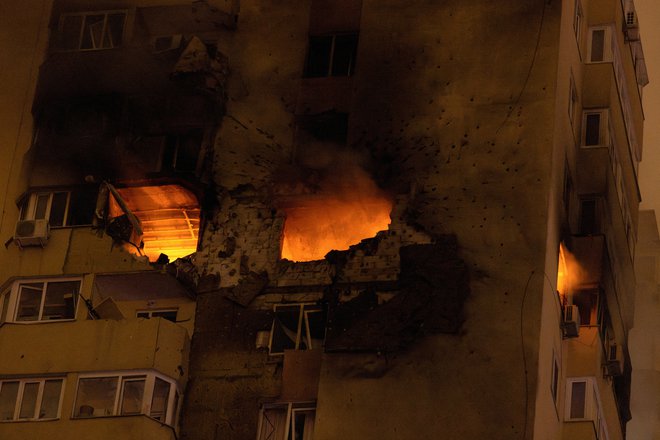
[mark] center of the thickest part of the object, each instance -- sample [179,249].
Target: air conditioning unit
[631,26]
[571,323]
[614,360]
[32,232]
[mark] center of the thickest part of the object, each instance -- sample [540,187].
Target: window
[41,300]
[287,421]
[30,399]
[583,404]
[169,314]
[599,49]
[46,205]
[127,393]
[589,217]
[554,380]
[577,20]
[296,327]
[572,100]
[91,30]
[331,55]
[594,128]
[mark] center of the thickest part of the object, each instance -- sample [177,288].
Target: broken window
[30,399]
[169,314]
[46,300]
[288,421]
[127,393]
[297,327]
[168,216]
[331,55]
[91,30]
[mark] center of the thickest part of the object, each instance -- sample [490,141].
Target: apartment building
[320,219]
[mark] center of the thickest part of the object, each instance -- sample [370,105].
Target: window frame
[331,55]
[304,309]
[573,101]
[593,408]
[29,206]
[13,303]
[291,408]
[84,15]
[607,44]
[20,394]
[149,376]
[150,312]
[603,127]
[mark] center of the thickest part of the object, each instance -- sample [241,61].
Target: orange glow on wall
[169,217]
[317,225]
[570,274]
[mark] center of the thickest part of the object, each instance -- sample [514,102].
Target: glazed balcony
[94,345]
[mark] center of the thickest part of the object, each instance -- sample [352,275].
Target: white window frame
[593,409]
[607,44]
[304,309]
[291,408]
[603,127]
[84,16]
[149,376]
[39,399]
[13,302]
[28,209]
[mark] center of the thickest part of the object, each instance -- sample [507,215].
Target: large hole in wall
[344,207]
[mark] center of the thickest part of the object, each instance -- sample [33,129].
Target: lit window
[297,327]
[41,300]
[30,399]
[331,55]
[128,393]
[91,30]
[288,421]
[169,314]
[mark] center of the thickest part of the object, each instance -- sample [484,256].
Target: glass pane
[50,401]
[578,398]
[8,393]
[92,32]
[29,402]
[302,425]
[60,300]
[318,57]
[159,399]
[96,397]
[41,206]
[273,424]
[58,208]
[131,400]
[70,33]
[285,328]
[29,302]
[114,30]
[343,58]
[597,45]
[592,130]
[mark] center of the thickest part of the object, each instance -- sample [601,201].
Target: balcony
[102,428]
[94,345]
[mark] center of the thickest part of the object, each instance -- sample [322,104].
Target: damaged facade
[328,219]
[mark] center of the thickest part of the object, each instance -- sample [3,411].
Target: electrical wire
[524,356]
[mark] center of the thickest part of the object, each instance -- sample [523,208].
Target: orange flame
[321,224]
[569,272]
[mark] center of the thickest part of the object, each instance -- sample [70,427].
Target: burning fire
[319,225]
[569,272]
[169,217]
